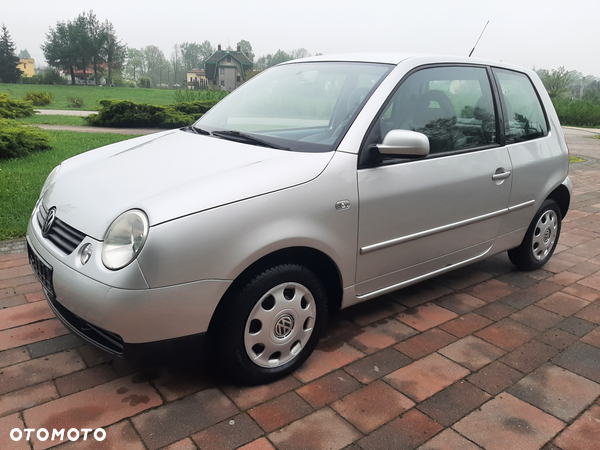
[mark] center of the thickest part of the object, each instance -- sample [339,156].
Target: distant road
[64,112]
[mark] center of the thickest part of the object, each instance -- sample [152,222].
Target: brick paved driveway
[485,357]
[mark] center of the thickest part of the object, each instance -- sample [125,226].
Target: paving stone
[20,281]
[529,296]
[585,268]
[537,318]
[472,352]
[557,338]
[54,345]
[496,311]
[97,407]
[329,388]
[175,420]
[556,391]
[27,398]
[465,324]
[420,293]
[24,314]
[449,440]
[12,301]
[229,434]
[590,313]
[7,424]
[581,291]
[406,432]
[85,379]
[365,410]
[120,436]
[259,444]
[371,311]
[328,356]
[460,303]
[39,370]
[425,377]
[507,334]
[507,422]
[93,355]
[495,377]
[245,397]
[592,282]
[562,303]
[13,356]
[184,444]
[425,316]
[321,429]
[174,383]
[425,343]
[379,335]
[565,278]
[280,411]
[15,272]
[529,356]
[576,326]
[583,434]
[27,334]
[492,290]
[373,367]
[34,297]
[454,402]
[583,359]
[592,338]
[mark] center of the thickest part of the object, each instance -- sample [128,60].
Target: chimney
[219,47]
[239,49]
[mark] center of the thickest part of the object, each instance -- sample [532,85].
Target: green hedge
[13,109]
[124,113]
[39,98]
[18,140]
[578,113]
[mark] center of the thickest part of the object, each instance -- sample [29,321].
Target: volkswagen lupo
[318,184]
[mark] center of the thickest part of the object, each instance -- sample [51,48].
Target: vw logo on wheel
[284,326]
[49,221]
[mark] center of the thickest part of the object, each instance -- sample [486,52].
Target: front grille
[64,236]
[110,342]
[42,270]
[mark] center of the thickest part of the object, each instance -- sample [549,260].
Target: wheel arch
[317,261]
[561,196]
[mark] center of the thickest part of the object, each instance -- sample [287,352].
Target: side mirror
[407,143]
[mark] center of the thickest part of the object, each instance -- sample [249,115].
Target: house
[26,66]
[80,77]
[227,68]
[196,78]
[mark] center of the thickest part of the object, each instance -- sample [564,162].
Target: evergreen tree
[9,72]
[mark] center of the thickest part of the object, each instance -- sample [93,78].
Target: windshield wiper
[246,138]
[196,130]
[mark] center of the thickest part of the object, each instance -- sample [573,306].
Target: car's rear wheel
[271,324]
[540,240]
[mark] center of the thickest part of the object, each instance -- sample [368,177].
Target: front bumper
[121,320]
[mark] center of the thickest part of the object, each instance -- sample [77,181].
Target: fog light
[86,253]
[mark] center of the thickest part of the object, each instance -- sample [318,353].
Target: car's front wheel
[540,240]
[271,324]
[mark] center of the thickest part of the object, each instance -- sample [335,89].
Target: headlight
[124,239]
[49,180]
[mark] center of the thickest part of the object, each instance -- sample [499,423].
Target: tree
[246,48]
[9,72]
[24,54]
[556,81]
[61,48]
[114,51]
[299,53]
[191,55]
[135,62]
[154,61]
[206,50]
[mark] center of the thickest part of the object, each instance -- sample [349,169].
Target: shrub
[18,140]
[35,79]
[13,109]
[196,108]
[144,82]
[124,113]
[39,98]
[51,76]
[578,113]
[76,102]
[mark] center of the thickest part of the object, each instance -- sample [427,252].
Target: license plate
[42,270]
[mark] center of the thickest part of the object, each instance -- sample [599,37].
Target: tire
[540,239]
[270,325]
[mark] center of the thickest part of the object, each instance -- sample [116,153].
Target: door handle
[501,175]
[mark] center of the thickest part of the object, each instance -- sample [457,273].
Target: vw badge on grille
[49,221]
[284,326]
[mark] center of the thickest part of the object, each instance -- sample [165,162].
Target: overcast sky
[532,33]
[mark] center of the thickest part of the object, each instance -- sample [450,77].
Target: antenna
[486,24]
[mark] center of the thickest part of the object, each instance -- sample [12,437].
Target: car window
[526,119]
[452,106]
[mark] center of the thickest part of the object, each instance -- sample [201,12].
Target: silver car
[318,184]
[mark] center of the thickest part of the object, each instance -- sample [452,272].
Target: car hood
[170,175]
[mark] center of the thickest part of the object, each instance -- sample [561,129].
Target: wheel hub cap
[284,326]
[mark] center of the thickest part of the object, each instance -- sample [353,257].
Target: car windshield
[301,106]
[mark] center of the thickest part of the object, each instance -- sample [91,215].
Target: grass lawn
[21,179]
[92,94]
[52,120]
